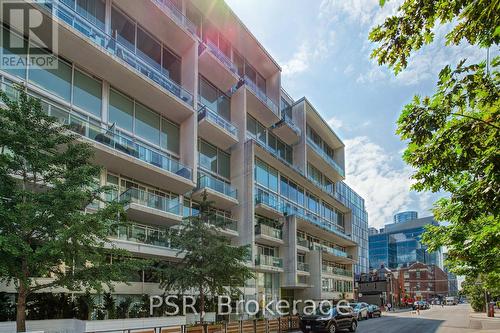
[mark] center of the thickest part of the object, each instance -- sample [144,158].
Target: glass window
[147,124]
[169,136]
[171,65]
[224,108]
[208,94]
[87,93]
[93,10]
[273,179]
[271,141]
[208,156]
[149,47]
[10,39]
[261,133]
[261,173]
[121,110]
[224,46]
[194,16]
[239,62]
[224,164]
[251,125]
[251,73]
[123,28]
[261,83]
[284,187]
[57,80]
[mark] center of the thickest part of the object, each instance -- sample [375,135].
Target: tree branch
[474,118]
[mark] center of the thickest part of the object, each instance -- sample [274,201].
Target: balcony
[267,205]
[223,195]
[151,208]
[215,129]
[123,154]
[302,267]
[336,271]
[231,225]
[216,66]
[333,254]
[268,263]
[171,10]
[268,235]
[132,72]
[145,240]
[325,163]
[286,130]
[302,244]
[260,105]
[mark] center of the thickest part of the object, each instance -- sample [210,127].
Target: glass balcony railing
[302,242]
[214,49]
[302,266]
[331,250]
[98,132]
[268,200]
[139,62]
[263,260]
[181,19]
[289,122]
[326,157]
[261,95]
[207,181]
[314,219]
[143,234]
[151,200]
[336,271]
[228,222]
[262,229]
[205,112]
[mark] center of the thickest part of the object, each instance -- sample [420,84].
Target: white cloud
[335,123]
[371,171]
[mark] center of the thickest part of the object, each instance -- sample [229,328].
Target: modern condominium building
[178,97]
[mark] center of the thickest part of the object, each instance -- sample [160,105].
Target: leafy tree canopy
[453,136]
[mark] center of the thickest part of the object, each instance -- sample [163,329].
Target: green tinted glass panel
[87,93]
[147,124]
[121,110]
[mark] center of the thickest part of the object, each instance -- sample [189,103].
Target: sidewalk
[479,320]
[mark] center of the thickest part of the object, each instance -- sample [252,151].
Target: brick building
[422,281]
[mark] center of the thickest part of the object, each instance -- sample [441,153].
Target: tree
[210,265]
[453,136]
[46,184]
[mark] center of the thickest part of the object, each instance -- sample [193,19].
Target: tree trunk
[21,308]
[202,306]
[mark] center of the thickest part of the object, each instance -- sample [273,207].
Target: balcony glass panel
[151,200]
[261,95]
[205,112]
[326,157]
[264,260]
[262,229]
[122,45]
[272,201]
[143,234]
[229,223]
[87,93]
[207,181]
[302,266]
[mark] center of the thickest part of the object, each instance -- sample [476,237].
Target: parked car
[374,311]
[421,304]
[360,310]
[329,320]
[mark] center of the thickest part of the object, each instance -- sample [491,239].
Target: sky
[323,49]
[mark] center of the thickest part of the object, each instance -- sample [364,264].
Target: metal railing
[331,250]
[205,112]
[207,181]
[326,157]
[262,229]
[98,132]
[214,49]
[139,62]
[264,260]
[302,266]
[178,15]
[151,200]
[261,95]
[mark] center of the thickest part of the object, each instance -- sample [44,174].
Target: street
[449,319]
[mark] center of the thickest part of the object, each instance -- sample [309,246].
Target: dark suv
[329,320]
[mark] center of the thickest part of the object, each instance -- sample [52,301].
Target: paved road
[449,319]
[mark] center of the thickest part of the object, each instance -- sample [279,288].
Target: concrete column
[299,150]
[290,251]
[105,102]
[107,17]
[188,143]
[189,71]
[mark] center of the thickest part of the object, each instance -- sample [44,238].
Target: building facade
[177,98]
[405,216]
[399,245]
[423,282]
